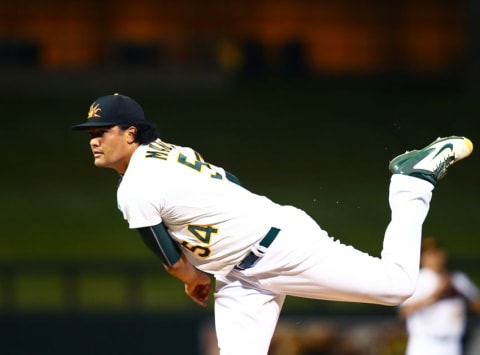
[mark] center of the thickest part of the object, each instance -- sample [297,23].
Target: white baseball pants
[304,261]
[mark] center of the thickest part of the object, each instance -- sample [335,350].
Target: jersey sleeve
[464,285]
[140,211]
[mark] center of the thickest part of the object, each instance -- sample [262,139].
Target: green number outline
[204,235]
[197,165]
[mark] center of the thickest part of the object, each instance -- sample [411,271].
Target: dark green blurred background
[324,147]
[318,137]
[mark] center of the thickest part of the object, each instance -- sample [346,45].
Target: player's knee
[396,300]
[401,294]
[402,286]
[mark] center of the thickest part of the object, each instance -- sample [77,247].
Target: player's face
[111,147]
[434,259]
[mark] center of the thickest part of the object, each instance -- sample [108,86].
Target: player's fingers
[204,290]
[199,294]
[202,301]
[202,293]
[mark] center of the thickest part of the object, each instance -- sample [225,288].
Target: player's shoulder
[459,275]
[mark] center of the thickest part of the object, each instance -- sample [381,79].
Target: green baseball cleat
[431,162]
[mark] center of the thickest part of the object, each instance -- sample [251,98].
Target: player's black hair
[146,132]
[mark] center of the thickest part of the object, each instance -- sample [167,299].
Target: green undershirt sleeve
[157,239]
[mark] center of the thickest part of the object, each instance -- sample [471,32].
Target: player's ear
[131,134]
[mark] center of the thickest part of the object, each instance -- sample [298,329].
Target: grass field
[322,148]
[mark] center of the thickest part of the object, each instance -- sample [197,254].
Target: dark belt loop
[252,258]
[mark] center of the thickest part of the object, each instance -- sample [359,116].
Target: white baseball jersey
[216,220]
[438,328]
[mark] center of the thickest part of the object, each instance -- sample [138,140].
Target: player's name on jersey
[160,150]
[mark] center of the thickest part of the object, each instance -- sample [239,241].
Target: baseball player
[200,221]
[436,314]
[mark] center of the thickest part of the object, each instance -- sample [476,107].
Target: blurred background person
[436,314]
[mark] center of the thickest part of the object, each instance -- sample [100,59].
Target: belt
[258,250]
[445,338]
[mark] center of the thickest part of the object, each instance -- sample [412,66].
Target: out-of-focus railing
[81,285]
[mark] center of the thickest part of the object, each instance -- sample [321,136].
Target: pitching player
[199,220]
[436,314]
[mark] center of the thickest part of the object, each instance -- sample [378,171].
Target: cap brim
[91,124]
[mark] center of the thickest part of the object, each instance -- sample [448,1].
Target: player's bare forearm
[197,283]
[182,270]
[474,305]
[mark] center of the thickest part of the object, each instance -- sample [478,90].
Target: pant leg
[245,317]
[304,261]
[409,200]
[426,345]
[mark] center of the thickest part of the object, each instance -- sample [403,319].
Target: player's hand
[197,283]
[199,289]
